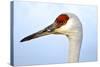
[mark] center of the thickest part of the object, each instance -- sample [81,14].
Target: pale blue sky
[30,17]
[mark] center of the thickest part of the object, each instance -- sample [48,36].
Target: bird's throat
[74,48]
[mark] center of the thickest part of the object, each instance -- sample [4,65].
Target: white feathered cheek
[73,25]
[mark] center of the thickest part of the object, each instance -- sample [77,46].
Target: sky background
[30,17]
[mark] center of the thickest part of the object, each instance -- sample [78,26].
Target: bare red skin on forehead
[61,20]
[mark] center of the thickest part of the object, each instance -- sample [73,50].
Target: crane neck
[74,48]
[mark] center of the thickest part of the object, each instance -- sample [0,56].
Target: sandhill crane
[67,24]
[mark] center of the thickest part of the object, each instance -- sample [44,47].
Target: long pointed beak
[48,30]
[35,35]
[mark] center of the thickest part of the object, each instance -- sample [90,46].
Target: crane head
[61,25]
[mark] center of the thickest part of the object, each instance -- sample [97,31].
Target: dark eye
[48,30]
